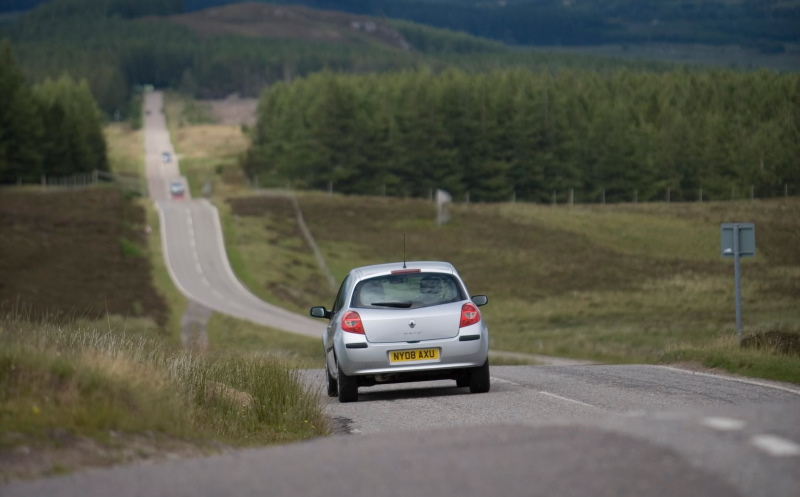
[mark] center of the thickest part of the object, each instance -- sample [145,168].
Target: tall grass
[92,377]
[776,358]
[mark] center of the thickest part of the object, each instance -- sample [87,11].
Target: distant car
[403,322]
[166,157]
[176,189]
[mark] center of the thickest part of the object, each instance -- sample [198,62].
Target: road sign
[747,239]
[738,240]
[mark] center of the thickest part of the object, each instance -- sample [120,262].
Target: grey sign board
[747,239]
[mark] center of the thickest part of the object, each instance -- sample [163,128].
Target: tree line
[111,45]
[53,128]
[523,134]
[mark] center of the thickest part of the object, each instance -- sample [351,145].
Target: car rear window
[403,291]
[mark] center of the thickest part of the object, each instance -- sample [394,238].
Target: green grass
[269,254]
[725,353]
[125,150]
[231,334]
[87,378]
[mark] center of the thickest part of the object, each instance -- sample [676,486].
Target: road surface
[541,431]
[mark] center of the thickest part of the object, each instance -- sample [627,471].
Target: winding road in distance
[193,243]
[557,431]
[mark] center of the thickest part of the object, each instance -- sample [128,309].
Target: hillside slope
[765,23]
[291,22]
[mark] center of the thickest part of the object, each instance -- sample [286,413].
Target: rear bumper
[454,353]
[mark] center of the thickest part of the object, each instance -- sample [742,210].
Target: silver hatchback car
[403,322]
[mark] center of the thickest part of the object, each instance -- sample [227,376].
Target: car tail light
[351,323]
[469,315]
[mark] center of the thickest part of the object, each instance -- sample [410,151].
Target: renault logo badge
[412,323]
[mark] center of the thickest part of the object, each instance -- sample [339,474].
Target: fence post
[604,196]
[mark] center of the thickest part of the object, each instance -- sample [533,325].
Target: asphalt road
[566,430]
[193,243]
[541,431]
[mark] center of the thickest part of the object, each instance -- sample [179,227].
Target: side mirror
[320,312]
[480,300]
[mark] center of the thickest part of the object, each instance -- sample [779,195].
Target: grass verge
[298,351]
[64,382]
[779,361]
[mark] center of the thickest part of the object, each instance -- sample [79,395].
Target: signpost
[738,240]
[443,200]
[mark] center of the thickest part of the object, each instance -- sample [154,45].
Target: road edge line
[729,378]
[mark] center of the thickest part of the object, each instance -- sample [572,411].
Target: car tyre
[479,378]
[333,387]
[348,386]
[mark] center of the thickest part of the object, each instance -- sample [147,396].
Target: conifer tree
[20,125]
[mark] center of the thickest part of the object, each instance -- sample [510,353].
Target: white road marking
[500,380]
[723,424]
[728,378]
[568,400]
[776,446]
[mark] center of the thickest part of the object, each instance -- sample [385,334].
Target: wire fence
[670,196]
[129,184]
[570,196]
[289,194]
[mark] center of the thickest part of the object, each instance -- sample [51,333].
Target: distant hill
[766,25]
[290,22]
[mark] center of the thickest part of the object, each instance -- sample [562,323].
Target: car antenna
[404,251]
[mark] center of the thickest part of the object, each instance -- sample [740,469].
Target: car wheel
[333,388]
[348,386]
[479,378]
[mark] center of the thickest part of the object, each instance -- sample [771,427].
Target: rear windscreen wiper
[400,305]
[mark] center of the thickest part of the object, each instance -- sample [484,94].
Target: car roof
[361,273]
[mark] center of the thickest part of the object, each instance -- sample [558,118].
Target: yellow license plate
[413,355]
